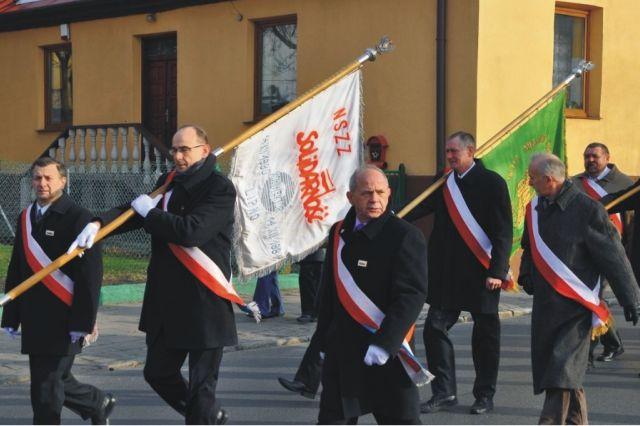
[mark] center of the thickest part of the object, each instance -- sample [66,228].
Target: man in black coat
[386,258]
[632,203]
[569,243]
[599,178]
[458,281]
[55,315]
[181,313]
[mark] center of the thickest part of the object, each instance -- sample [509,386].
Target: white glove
[322,355]
[144,203]
[376,356]
[76,335]
[11,332]
[86,237]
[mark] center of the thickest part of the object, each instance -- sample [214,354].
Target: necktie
[359,226]
[38,214]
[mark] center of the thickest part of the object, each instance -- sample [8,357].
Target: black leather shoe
[221,418]
[306,318]
[297,387]
[481,406]
[102,418]
[608,355]
[437,403]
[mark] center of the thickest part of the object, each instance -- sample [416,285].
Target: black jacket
[630,204]
[578,231]
[387,259]
[176,303]
[45,320]
[456,277]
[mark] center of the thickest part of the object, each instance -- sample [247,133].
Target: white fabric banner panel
[292,178]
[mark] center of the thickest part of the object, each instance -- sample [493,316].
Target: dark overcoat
[387,259]
[176,303]
[630,204]
[578,230]
[456,277]
[44,319]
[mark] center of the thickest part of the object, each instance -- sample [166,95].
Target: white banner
[293,176]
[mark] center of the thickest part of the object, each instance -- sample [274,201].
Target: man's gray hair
[549,165]
[353,181]
[466,139]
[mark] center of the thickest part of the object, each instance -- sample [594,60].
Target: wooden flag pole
[622,198]
[582,67]
[370,54]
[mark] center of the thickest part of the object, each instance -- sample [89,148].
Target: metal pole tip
[5,299]
[582,67]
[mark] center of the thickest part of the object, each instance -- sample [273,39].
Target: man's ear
[350,197]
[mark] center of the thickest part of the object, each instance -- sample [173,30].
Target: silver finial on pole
[582,67]
[384,45]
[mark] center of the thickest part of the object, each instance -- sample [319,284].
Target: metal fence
[97,192]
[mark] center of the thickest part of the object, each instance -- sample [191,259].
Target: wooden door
[159,87]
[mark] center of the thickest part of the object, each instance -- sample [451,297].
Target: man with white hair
[568,242]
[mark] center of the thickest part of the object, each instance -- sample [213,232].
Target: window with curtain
[569,48]
[276,64]
[58,86]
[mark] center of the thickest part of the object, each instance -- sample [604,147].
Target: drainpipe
[441,68]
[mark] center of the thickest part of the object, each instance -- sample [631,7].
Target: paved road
[249,391]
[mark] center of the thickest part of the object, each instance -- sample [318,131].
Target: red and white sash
[367,314]
[470,230]
[561,278]
[595,191]
[57,282]
[204,268]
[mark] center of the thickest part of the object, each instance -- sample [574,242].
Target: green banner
[542,132]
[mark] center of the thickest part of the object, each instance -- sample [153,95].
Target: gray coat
[614,181]
[577,229]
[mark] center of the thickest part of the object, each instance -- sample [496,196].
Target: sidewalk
[122,346]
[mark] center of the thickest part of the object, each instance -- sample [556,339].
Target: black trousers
[195,399]
[485,347]
[310,368]
[309,280]
[53,386]
[611,341]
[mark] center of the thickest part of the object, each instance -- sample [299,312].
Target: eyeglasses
[183,149]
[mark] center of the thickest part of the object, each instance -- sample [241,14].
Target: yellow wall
[515,63]
[499,60]
[22,93]
[462,66]
[619,114]
[215,69]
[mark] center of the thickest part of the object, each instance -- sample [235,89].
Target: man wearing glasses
[182,312]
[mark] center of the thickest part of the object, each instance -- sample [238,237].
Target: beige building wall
[22,93]
[499,61]
[215,70]
[515,64]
